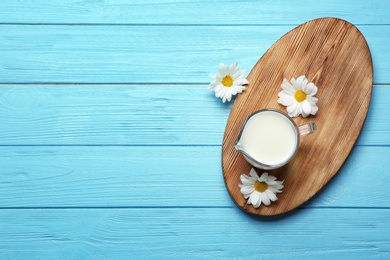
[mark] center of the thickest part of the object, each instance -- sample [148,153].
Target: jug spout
[238,147]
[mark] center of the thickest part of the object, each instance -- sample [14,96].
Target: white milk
[269,137]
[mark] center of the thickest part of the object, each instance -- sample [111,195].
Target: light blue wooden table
[110,145]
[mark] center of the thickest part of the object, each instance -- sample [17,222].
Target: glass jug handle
[307,129]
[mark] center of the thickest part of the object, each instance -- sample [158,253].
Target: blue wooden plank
[191,11]
[136,115]
[165,176]
[146,54]
[212,233]
[134,171]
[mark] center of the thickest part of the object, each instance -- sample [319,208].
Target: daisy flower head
[260,190]
[298,97]
[229,82]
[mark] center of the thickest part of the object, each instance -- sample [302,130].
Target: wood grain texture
[208,233]
[136,115]
[190,12]
[124,169]
[146,54]
[332,54]
[160,176]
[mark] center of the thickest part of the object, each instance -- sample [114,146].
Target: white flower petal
[243,73]
[247,190]
[271,178]
[220,91]
[254,198]
[295,108]
[274,190]
[299,82]
[233,69]
[253,173]
[211,87]
[270,183]
[223,70]
[283,93]
[239,89]
[213,76]
[236,75]
[304,83]
[265,199]
[279,185]
[263,177]
[257,198]
[294,84]
[312,100]
[306,107]
[309,88]
[233,91]
[258,202]
[313,91]
[296,111]
[247,180]
[291,108]
[271,195]
[238,81]
[286,100]
[314,110]
[228,95]
[287,87]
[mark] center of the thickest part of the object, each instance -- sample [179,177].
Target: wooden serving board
[334,55]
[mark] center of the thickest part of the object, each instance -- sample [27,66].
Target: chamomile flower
[298,97]
[229,82]
[261,189]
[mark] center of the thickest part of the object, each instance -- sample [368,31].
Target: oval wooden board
[334,55]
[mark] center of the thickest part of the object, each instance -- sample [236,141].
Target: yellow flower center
[299,95]
[260,186]
[227,81]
